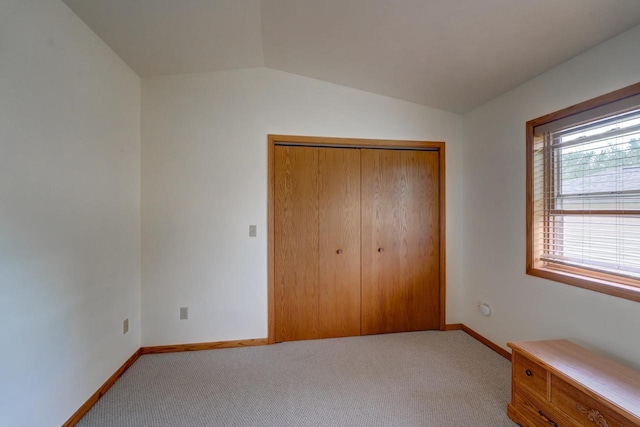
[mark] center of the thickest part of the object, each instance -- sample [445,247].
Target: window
[583,194]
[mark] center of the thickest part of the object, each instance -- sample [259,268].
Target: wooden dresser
[559,383]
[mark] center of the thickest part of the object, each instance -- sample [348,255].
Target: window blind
[586,182]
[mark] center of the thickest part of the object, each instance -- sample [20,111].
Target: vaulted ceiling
[448,54]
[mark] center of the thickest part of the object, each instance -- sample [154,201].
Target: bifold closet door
[400,241]
[317,242]
[339,254]
[296,222]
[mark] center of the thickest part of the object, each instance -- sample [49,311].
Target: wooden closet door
[296,220]
[317,242]
[400,241]
[339,253]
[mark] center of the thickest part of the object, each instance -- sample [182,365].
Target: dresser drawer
[530,375]
[525,418]
[537,411]
[583,408]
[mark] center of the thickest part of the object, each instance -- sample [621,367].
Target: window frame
[611,284]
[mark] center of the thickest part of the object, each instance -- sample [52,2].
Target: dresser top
[611,381]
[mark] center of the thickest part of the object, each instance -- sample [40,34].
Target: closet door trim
[274,140]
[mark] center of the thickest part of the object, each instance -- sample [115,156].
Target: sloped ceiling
[448,54]
[157,37]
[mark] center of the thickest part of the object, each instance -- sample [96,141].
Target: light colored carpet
[409,379]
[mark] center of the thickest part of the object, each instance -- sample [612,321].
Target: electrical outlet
[125,326]
[253,230]
[184,313]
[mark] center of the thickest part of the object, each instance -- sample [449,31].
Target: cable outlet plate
[184,313]
[125,326]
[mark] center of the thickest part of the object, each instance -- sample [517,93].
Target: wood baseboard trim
[493,346]
[203,346]
[101,391]
[453,327]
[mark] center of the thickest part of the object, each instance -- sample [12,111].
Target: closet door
[317,242]
[339,202]
[296,219]
[400,241]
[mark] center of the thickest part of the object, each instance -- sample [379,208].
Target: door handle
[547,420]
[380,249]
[339,251]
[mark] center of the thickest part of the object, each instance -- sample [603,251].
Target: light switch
[253,231]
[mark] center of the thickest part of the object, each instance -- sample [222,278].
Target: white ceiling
[448,54]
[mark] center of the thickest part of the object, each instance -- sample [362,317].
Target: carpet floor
[409,379]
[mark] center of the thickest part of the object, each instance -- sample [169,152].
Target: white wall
[69,212]
[525,307]
[204,181]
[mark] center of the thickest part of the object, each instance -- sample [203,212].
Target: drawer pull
[594,416]
[528,372]
[547,420]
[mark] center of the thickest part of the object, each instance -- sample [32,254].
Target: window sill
[629,290]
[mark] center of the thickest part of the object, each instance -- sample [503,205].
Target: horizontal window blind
[586,182]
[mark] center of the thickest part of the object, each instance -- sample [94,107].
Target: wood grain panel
[422,238]
[354,142]
[400,241]
[296,243]
[536,411]
[530,375]
[339,249]
[215,345]
[586,410]
[271,294]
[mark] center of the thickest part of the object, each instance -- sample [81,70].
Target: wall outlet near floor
[253,230]
[184,313]
[125,326]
